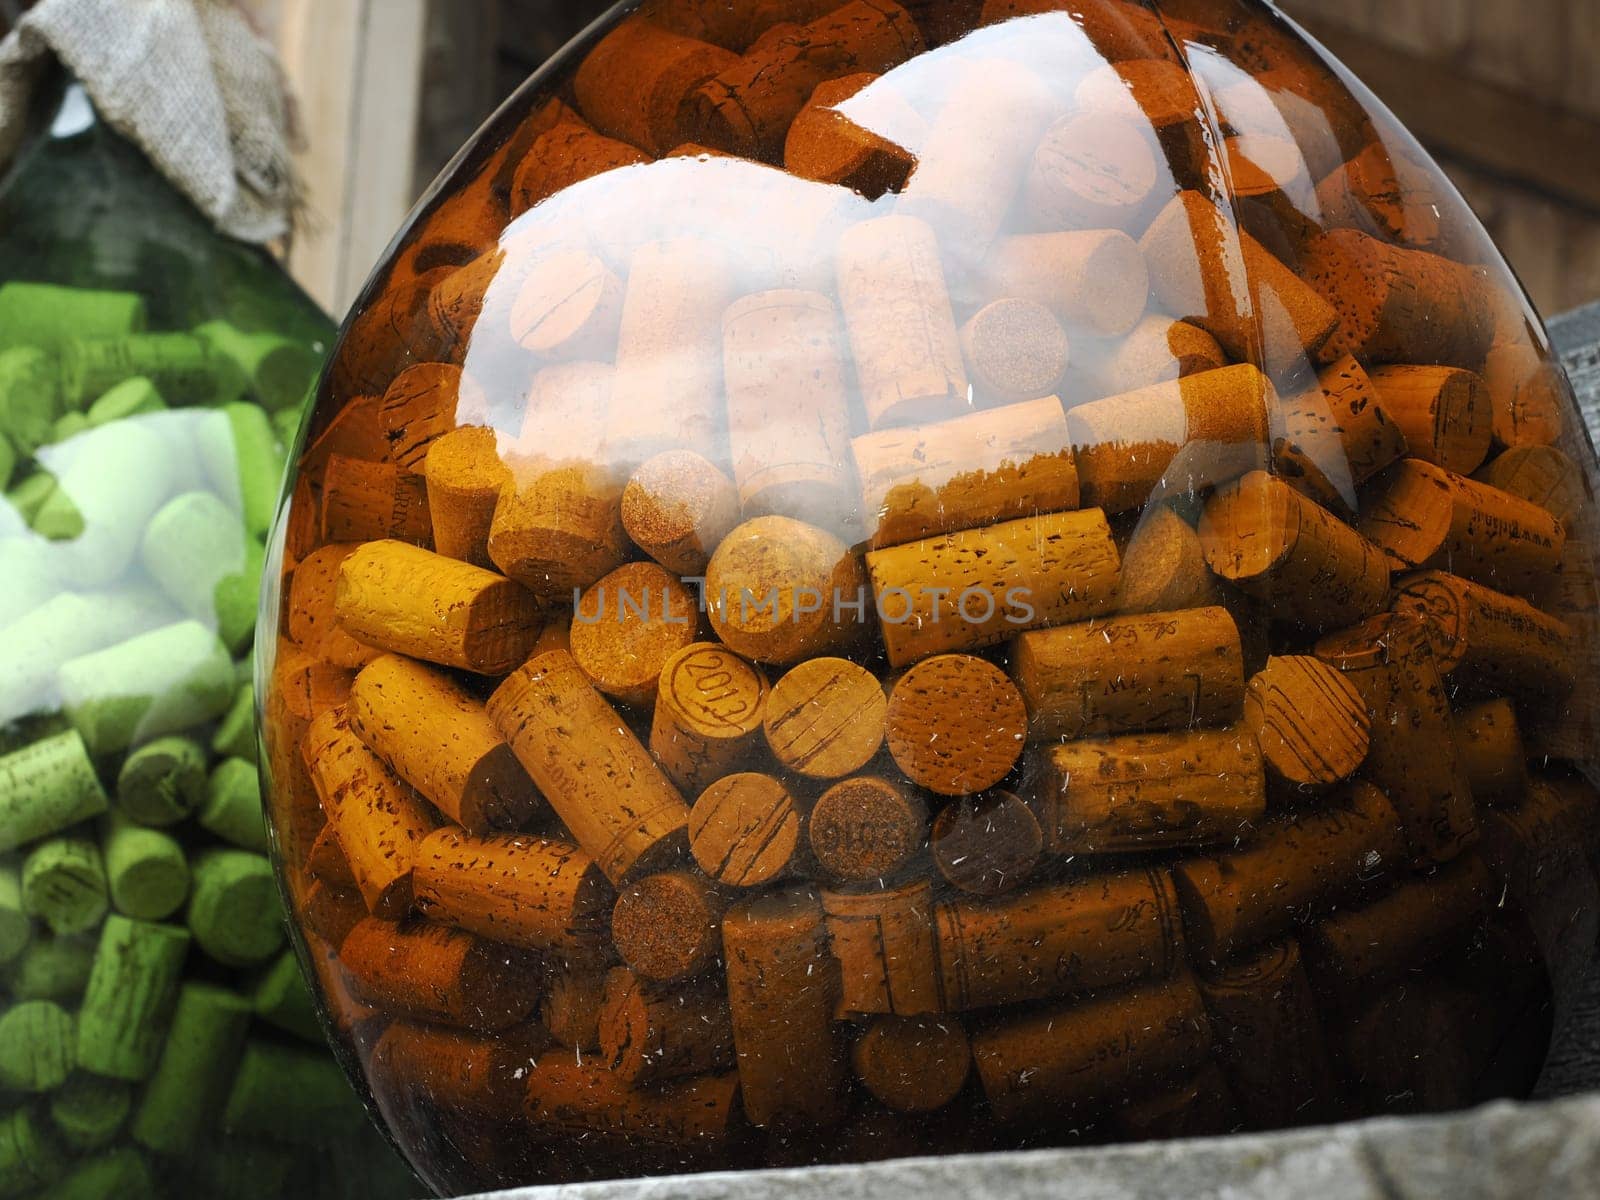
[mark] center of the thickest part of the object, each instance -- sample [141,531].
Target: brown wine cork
[525,891]
[1527,395]
[634,82]
[1116,30]
[327,861]
[1443,412]
[1306,863]
[602,783]
[1268,168]
[330,912]
[1413,755]
[937,595]
[913,1064]
[569,1009]
[867,827]
[570,1099]
[709,708]
[417,408]
[1091,171]
[778,588]
[1173,437]
[456,302]
[735,27]
[1541,475]
[975,470]
[309,686]
[1310,568]
[1382,191]
[311,619]
[1397,305]
[378,819]
[651,1033]
[1015,350]
[1141,791]
[986,845]
[1542,853]
[1198,259]
[1058,939]
[1269,1038]
[1171,670]
[412,601]
[901,327]
[677,508]
[1200,1106]
[450,1069]
[1490,640]
[434,973]
[1311,723]
[627,625]
[566,154]
[465,475]
[367,501]
[568,306]
[439,739]
[1492,752]
[824,144]
[955,724]
[1164,567]
[1429,517]
[1336,436]
[744,830]
[1095,281]
[882,941]
[825,718]
[789,415]
[1158,350]
[782,991]
[749,105]
[666,926]
[1149,89]
[1085,1058]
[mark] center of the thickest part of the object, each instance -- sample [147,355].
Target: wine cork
[365,501]
[570,1006]
[182,365]
[1269,1038]
[306,686]
[1201,1106]
[825,718]
[1268,170]
[570,1099]
[1306,565]
[559,528]
[1527,395]
[64,884]
[568,306]
[1336,436]
[1541,854]
[789,408]
[1164,566]
[129,998]
[240,453]
[1492,752]
[16,928]
[1061,567]
[1197,259]
[1383,191]
[1171,670]
[677,508]
[1397,305]
[1015,350]
[43,314]
[1444,413]
[866,828]
[777,590]
[312,621]
[198,553]
[525,891]
[883,942]
[163,781]
[1426,516]
[479,1077]
[1158,350]
[233,908]
[955,724]
[736,28]
[1091,170]
[1170,438]
[1085,1058]
[744,830]
[455,304]
[650,1034]
[628,625]
[88,1113]
[666,926]
[1492,641]
[412,601]
[986,845]
[975,470]
[708,713]
[1541,475]
[913,1064]
[418,407]
[378,820]
[36,1046]
[47,786]
[1413,755]
[826,145]
[52,968]
[146,869]
[634,82]
[748,106]
[602,783]
[195,1071]
[567,153]
[901,326]
[290,1095]
[782,991]
[1311,723]
[281,998]
[438,974]
[29,1156]
[235,734]
[1058,939]
[465,476]
[30,379]
[1095,281]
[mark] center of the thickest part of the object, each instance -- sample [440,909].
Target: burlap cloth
[188,81]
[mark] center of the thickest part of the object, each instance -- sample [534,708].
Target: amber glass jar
[893,578]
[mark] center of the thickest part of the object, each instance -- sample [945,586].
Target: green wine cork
[45,314]
[244,669]
[8,461]
[52,969]
[29,493]
[180,364]
[235,736]
[160,682]
[121,1174]
[16,930]
[64,884]
[163,781]
[69,425]
[88,1111]
[29,1157]
[232,809]
[36,1046]
[58,518]
[129,999]
[191,1082]
[242,458]
[116,476]
[290,1095]
[234,913]
[239,597]
[198,552]
[147,869]
[30,397]
[282,999]
[46,787]
[276,369]
[286,424]
[130,398]
[31,578]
